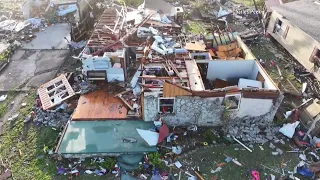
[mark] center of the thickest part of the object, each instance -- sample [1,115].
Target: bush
[208,135]
[155,160]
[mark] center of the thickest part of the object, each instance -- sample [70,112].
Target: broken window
[317,53]
[232,101]
[97,75]
[277,26]
[315,59]
[166,105]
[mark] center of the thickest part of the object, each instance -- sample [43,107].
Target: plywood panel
[260,78]
[221,54]
[227,47]
[99,105]
[260,94]
[218,83]
[171,90]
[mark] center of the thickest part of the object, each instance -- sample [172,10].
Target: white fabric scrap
[288,113]
[149,136]
[178,164]
[177,150]
[88,172]
[3,97]
[289,129]
[303,157]
[216,170]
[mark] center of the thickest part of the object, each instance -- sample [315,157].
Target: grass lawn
[22,145]
[207,160]
[196,27]
[4,106]
[259,3]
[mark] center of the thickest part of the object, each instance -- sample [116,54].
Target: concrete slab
[40,79]
[17,55]
[50,60]
[31,68]
[52,37]
[16,73]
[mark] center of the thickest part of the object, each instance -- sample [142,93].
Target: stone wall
[150,107]
[194,110]
[190,110]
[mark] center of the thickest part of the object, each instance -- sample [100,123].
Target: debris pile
[254,132]
[54,119]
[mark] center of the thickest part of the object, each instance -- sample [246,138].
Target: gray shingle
[304,14]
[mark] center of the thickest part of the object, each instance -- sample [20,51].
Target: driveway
[53,37]
[31,68]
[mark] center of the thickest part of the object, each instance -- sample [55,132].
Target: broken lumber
[126,103]
[198,175]
[242,144]
[174,69]
[122,93]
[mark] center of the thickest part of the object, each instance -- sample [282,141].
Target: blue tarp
[66,9]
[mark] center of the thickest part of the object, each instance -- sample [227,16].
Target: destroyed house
[186,98]
[196,87]
[295,25]
[140,79]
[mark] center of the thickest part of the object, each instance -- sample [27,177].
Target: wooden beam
[122,93]
[174,69]
[126,103]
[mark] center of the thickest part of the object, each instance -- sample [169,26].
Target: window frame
[275,26]
[230,95]
[286,32]
[173,106]
[314,52]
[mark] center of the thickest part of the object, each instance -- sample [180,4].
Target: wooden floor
[99,105]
